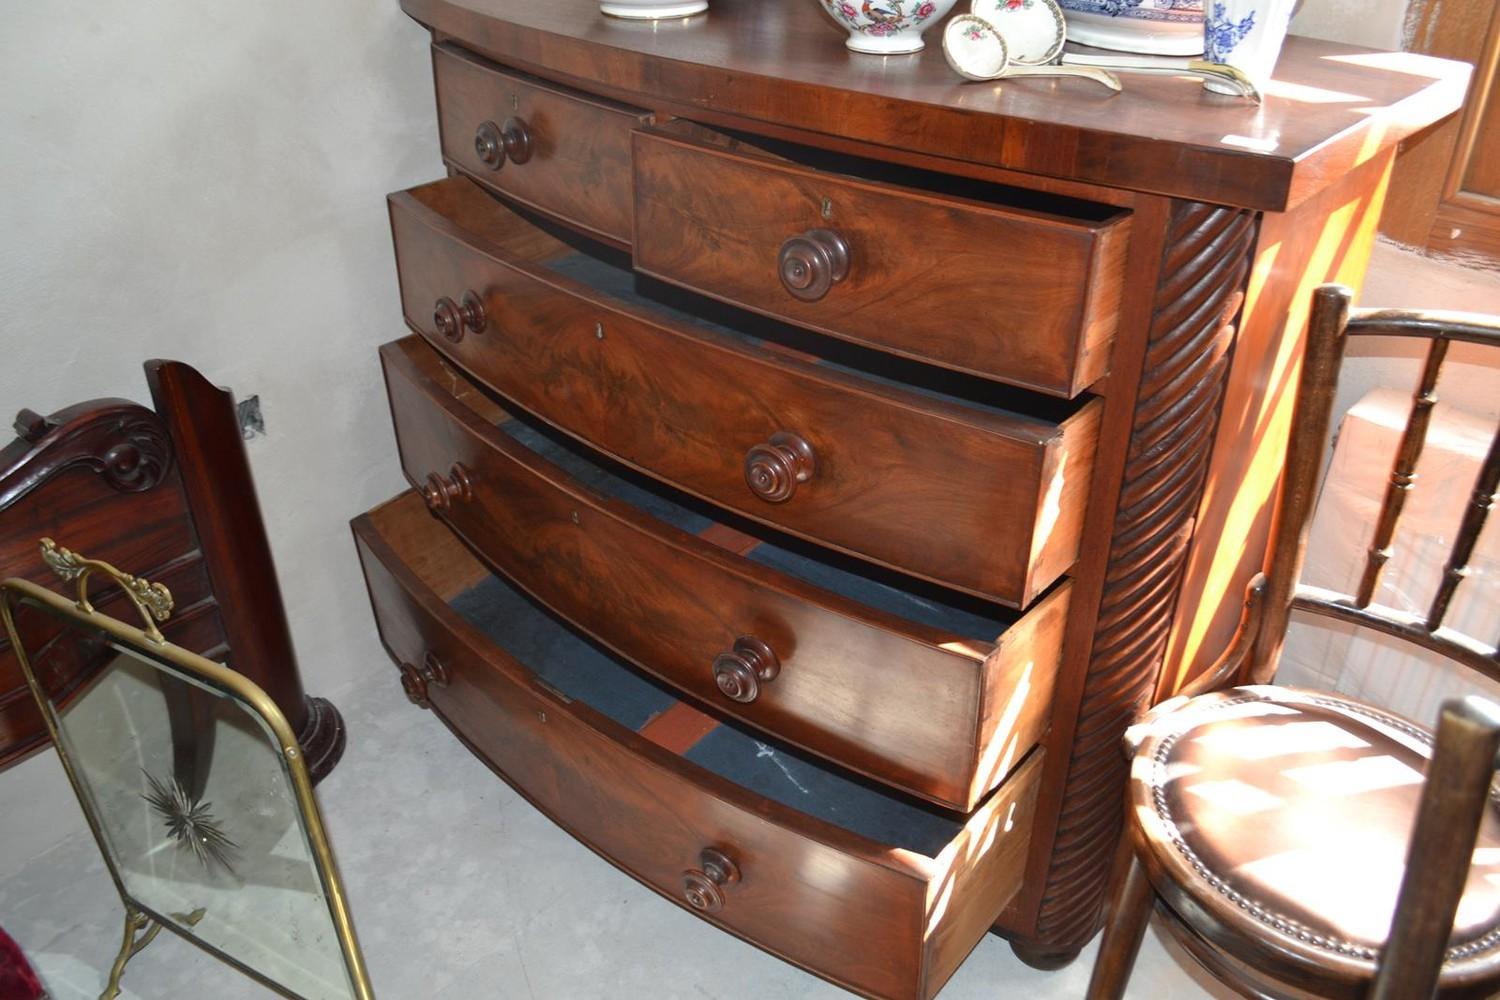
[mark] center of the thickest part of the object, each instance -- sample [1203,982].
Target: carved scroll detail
[1205,265]
[140,458]
[125,443]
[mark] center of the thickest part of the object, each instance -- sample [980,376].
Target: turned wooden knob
[494,144]
[414,685]
[813,262]
[414,680]
[741,671]
[773,469]
[434,670]
[452,318]
[447,320]
[517,139]
[704,886]
[471,311]
[440,493]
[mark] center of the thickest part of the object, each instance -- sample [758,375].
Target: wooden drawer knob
[812,263]
[440,493]
[773,469]
[741,671]
[414,685]
[414,680]
[434,670]
[451,318]
[704,886]
[494,144]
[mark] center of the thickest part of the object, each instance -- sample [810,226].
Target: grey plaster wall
[1380,24]
[205,182]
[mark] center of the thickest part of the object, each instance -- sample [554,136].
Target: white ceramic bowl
[887,27]
[652,11]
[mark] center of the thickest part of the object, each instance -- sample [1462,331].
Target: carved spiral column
[1204,268]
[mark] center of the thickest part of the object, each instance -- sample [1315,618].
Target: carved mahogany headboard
[165,494]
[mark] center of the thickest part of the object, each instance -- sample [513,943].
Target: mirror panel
[194,805]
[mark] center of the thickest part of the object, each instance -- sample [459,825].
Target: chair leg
[1123,933]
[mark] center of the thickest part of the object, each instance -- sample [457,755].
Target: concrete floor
[460,889]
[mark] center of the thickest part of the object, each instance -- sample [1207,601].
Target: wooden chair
[1278,830]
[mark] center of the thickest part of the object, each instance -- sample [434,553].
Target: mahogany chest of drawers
[815,460]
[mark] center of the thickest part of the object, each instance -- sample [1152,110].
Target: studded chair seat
[1299,844]
[1274,822]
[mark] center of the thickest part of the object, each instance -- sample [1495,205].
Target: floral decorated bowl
[887,27]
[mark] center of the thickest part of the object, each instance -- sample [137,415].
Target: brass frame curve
[151,644]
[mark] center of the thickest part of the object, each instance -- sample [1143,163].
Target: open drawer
[982,494]
[940,699]
[874,892]
[1002,282]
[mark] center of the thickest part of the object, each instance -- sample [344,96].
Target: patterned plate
[1033,30]
[974,48]
[1156,27]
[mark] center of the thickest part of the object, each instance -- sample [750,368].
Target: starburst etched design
[190,823]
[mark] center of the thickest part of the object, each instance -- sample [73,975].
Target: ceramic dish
[1034,30]
[977,50]
[1155,27]
[887,27]
[974,49]
[653,11]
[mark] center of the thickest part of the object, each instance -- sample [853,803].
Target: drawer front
[1026,298]
[907,481]
[910,706]
[875,919]
[564,153]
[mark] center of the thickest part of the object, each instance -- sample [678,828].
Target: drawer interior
[581,671]
[1041,204]
[612,277]
[959,616]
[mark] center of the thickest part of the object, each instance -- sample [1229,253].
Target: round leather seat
[1276,823]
